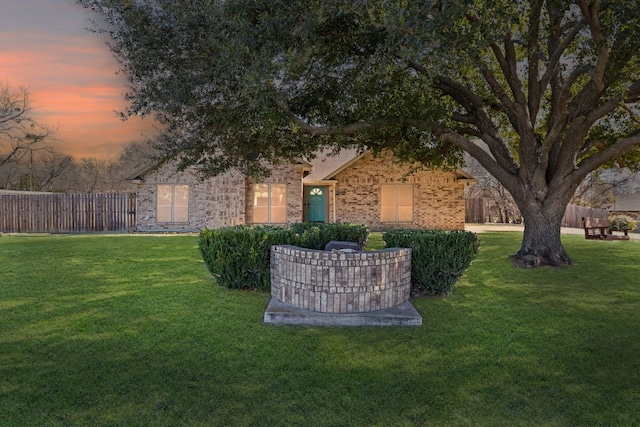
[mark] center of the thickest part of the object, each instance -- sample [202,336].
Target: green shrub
[438,257]
[621,223]
[317,235]
[239,257]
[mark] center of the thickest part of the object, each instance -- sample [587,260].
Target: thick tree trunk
[541,244]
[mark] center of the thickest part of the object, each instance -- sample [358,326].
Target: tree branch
[475,107]
[554,59]
[412,64]
[559,118]
[590,12]
[612,152]
[535,89]
[346,130]
[512,76]
[506,176]
[462,94]
[465,118]
[633,93]
[493,83]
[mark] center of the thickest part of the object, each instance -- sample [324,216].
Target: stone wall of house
[228,198]
[438,197]
[214,202]
[290,175]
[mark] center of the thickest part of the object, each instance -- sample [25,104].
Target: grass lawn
[132,330]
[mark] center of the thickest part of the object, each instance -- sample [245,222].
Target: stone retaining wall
[336,282]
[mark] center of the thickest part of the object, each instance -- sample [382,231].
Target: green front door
[315,204]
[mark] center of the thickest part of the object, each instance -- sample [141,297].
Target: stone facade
[334,282]
[216,202]
[282,174]
[438,196]
[353,195]
[224,200]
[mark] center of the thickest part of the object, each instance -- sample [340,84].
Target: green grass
[131,330]
[374,241]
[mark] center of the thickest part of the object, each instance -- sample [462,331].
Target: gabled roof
[324,167]
[139,174]
[327,165]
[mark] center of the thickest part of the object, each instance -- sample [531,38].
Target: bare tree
[593,192]
[92,174]
[53,170]
[29,160]
[20,133]
[133,157]
[500,203]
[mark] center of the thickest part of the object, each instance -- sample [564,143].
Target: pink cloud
[71,74]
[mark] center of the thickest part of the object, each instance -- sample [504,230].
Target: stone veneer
[280,174]
[337,282]
[226,199]
[438,196]
[220,201]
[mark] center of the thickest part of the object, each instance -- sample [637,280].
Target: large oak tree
[540,92]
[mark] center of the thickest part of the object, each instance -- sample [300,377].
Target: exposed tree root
[533,259]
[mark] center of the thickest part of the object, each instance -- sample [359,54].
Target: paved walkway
[481,228]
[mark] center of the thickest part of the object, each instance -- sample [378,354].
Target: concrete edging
[279,313]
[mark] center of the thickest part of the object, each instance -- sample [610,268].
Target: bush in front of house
[317,235]
[239,257]
[438,257]
[621,223]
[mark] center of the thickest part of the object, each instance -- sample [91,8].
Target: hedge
[239,257]
[438,257]
[317,235]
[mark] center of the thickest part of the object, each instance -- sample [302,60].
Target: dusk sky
[71,74]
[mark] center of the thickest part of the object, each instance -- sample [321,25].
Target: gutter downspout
[333,185]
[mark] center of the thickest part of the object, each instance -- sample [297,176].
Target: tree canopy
[540,92]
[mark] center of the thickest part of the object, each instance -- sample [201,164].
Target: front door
[315,203]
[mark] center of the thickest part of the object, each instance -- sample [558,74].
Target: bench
[597,228]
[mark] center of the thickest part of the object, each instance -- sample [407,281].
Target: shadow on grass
[143,337]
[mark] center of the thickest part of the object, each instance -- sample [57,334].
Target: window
[270,203]
[396,202]
[173,203]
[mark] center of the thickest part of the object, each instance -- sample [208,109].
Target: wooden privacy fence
[67,213]
[475,213]
[474,210]
[573,215]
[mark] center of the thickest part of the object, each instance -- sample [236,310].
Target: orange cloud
[71,74]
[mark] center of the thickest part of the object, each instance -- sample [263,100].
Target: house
[624,185]
[627,203]
[348,187]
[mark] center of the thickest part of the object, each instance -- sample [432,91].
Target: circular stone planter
[338,282]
